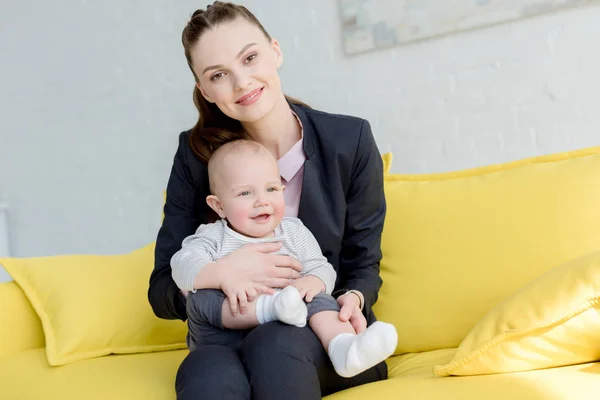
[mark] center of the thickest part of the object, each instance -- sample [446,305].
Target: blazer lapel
[309,203]
[310,199]
[315,208]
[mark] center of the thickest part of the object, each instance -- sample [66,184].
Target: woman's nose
[241,82]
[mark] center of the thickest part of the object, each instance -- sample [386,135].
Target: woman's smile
[250,98]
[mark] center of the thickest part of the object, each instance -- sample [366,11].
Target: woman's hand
[252,270]
[350,311]
[309,286]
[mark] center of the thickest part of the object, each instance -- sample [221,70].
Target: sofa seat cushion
[151,376]
[145,376]
[412,378]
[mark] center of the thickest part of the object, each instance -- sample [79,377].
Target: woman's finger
[281,272]
[278,282]
[345,313]
[270,247]
[358,321]
[283,261]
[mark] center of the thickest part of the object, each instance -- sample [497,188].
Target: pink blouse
[291,168]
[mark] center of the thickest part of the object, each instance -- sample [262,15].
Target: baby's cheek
[238,217]
[280,207]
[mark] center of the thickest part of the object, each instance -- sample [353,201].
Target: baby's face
[251,193]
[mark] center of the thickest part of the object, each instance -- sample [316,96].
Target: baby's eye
[273,189]
[245,193]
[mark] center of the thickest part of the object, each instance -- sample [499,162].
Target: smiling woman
[333,177]
[224,88]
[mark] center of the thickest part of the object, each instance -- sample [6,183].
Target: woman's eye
[251,57]
[217,76]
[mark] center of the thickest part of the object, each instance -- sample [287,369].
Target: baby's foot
[289,308]
[352,354]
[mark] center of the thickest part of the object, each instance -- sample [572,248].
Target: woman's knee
[212,372]
[283,362]
[279,341]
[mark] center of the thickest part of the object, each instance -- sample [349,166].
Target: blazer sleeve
[365,214]
[180,220]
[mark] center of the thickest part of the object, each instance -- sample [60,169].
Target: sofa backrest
[456,244]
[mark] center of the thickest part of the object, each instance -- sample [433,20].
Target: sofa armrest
[20,327]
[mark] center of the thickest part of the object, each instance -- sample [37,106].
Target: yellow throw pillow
[553,321]
[456,244]
[94,305]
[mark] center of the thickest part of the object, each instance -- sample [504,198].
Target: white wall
[94,95]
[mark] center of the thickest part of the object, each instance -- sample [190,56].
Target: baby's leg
[323,318]
[247,320]
[286,306]
[204,322]
[350,353]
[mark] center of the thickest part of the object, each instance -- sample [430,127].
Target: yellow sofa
[491,277]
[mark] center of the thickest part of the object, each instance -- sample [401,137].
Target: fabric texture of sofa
[491,277]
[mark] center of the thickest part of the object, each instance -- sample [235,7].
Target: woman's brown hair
[214,128]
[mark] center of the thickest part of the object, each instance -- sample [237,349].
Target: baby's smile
[262,218]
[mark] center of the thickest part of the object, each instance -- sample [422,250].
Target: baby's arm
[196,251]
[312,259]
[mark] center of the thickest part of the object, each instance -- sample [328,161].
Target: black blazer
[342,203]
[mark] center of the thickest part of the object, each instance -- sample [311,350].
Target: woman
[333,174]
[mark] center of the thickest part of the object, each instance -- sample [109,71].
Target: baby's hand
[309,286]
[241,291]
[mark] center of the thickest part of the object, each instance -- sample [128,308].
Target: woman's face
[237,69]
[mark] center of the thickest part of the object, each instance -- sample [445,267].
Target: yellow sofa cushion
[553,321]
[149,376]
[94,305]
[411,378]
[20,327]
[456,244]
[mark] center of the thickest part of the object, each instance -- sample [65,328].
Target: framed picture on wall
[373,24]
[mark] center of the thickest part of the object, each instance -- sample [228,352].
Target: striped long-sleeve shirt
[216,240]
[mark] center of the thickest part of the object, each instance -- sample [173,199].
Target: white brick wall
[86,85]
[468,99]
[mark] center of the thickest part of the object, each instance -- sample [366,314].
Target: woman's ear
[214,203]
[277,52]
[203,92]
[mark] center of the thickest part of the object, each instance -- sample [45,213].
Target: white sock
[286,306]
[352,354]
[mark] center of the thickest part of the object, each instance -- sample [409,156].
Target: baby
[247,194]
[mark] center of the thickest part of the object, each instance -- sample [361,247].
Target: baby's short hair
[239,146]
